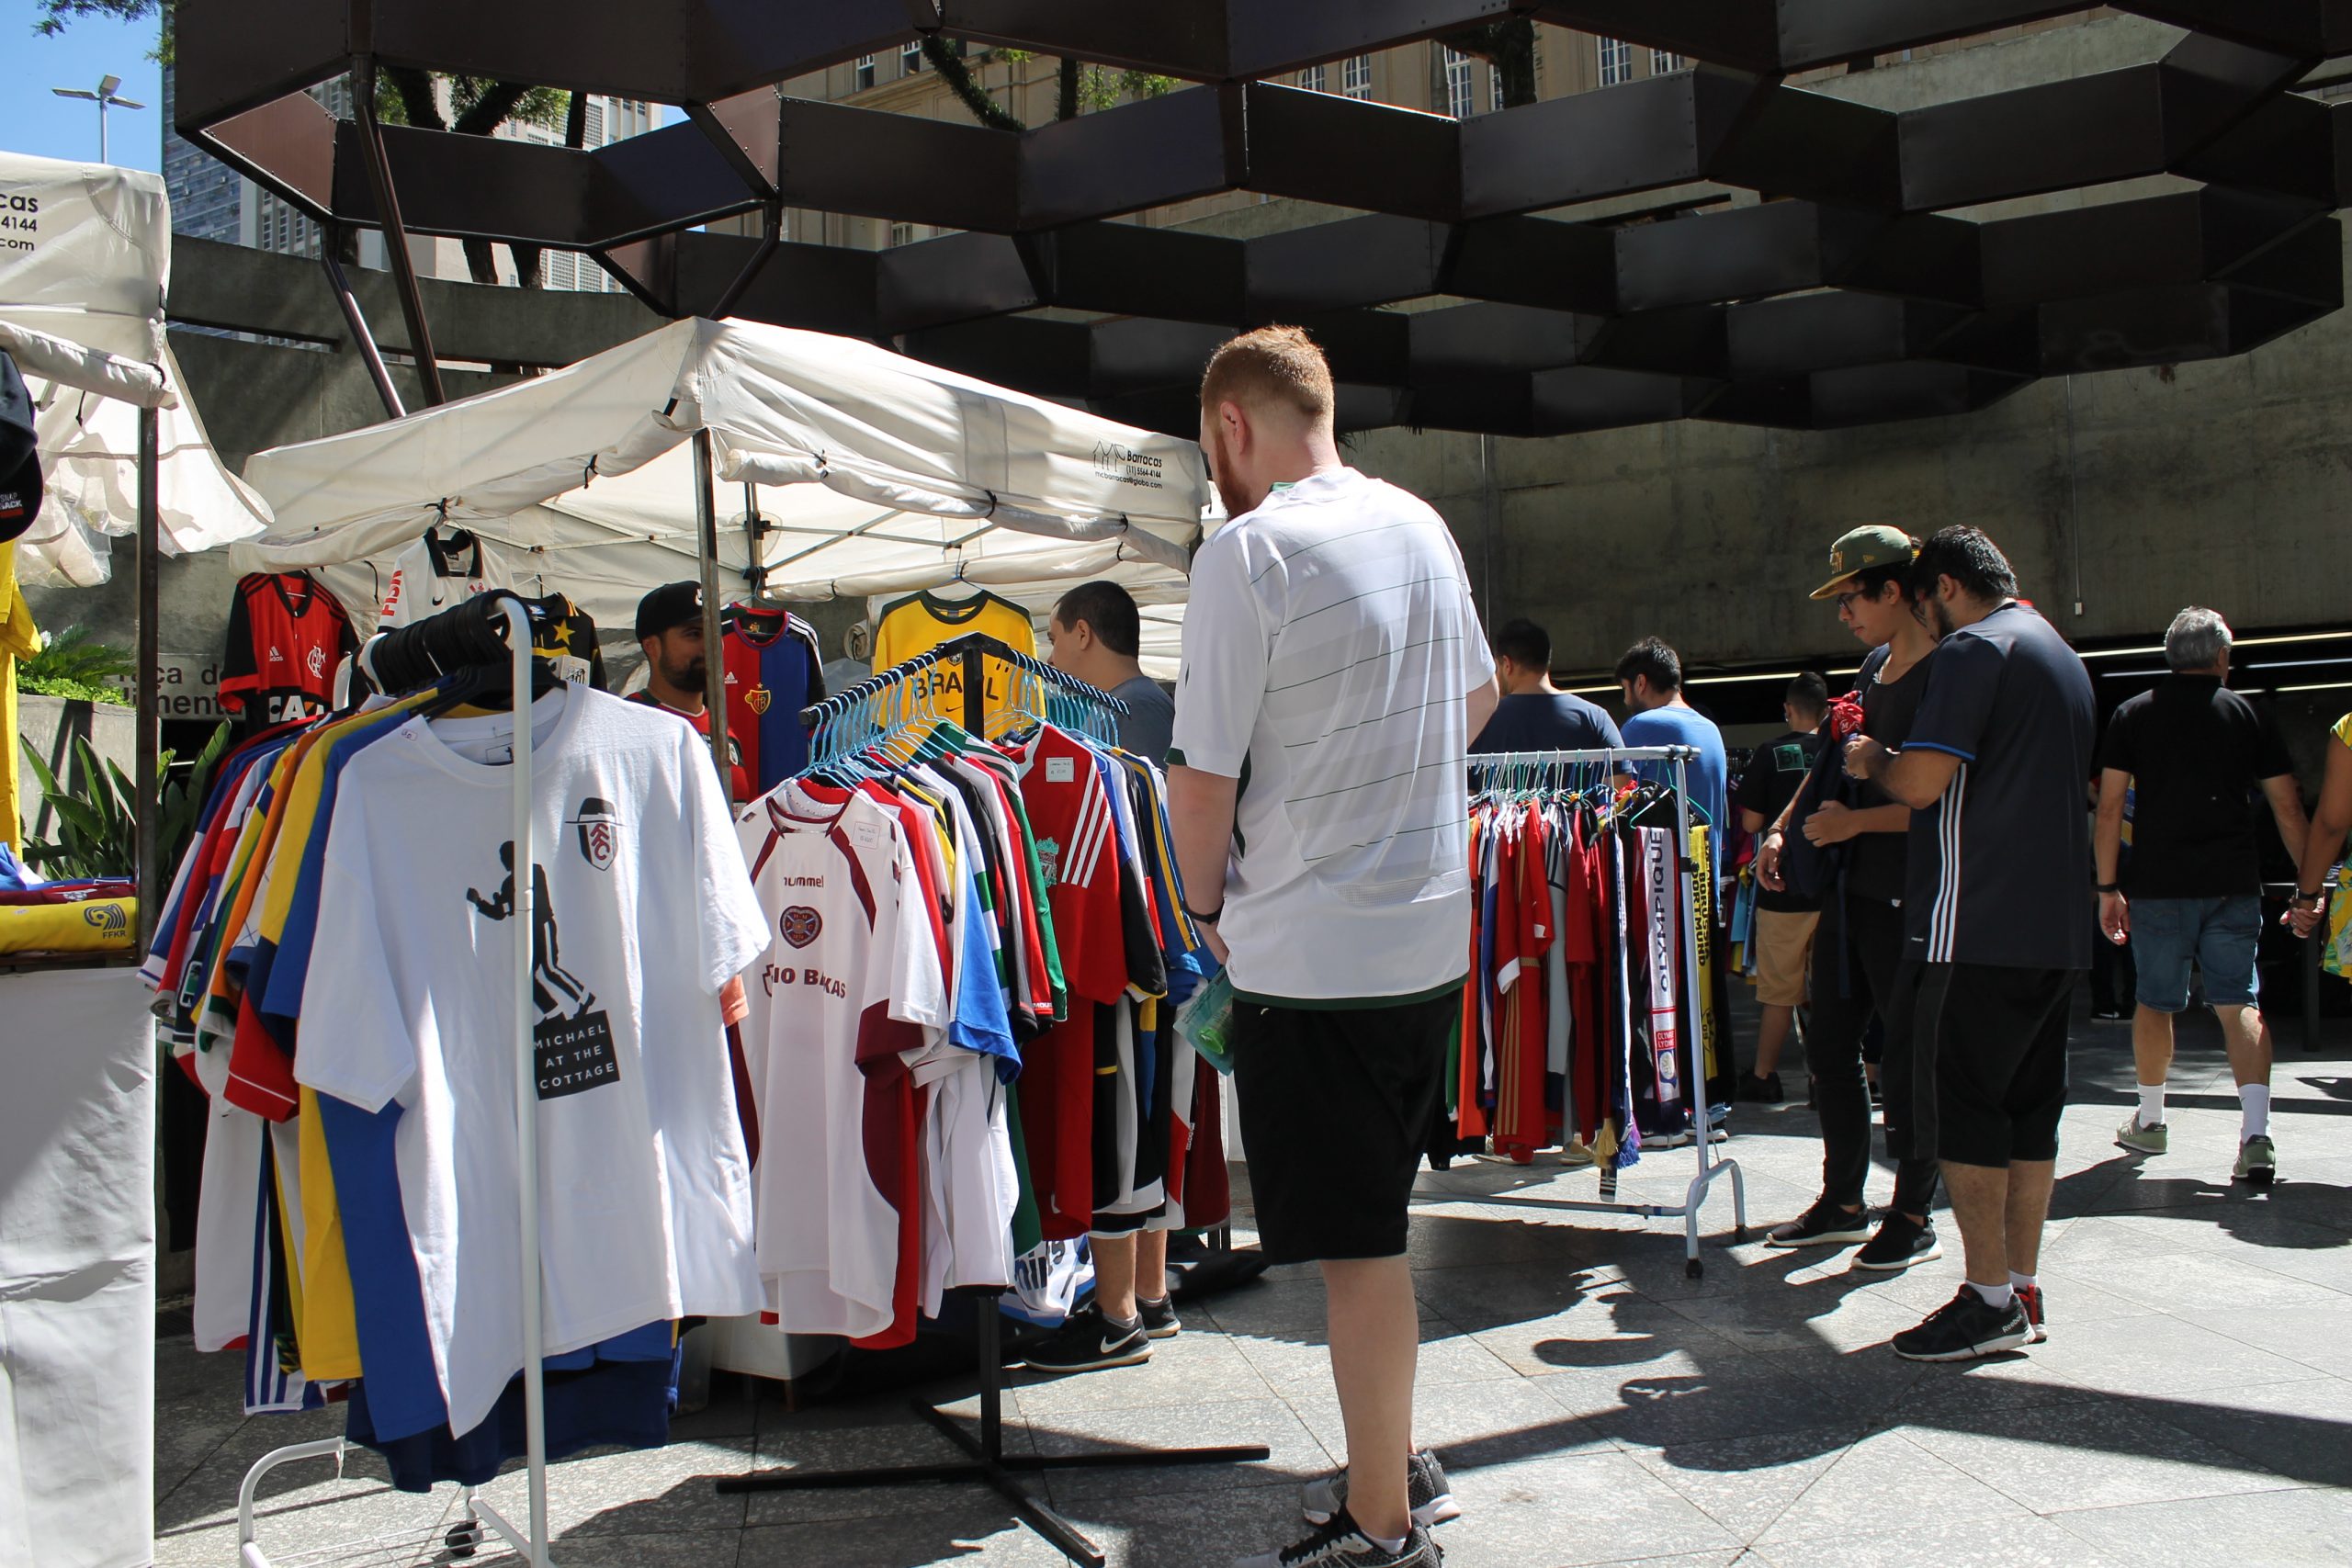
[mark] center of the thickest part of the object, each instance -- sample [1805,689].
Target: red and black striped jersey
[287,639]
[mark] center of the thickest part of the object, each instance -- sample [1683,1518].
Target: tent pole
[713,650]
[148,740]
[330,245]
[387,213]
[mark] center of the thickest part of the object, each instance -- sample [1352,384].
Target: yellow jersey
[920,624]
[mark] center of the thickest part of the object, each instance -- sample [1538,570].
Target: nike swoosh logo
[1110,1344]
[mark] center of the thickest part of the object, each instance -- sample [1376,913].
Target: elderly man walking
[2198,751]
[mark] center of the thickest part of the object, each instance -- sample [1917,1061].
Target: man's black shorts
[1975,1065]
[1335,1107]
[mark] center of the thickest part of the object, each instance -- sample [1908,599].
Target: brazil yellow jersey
[920,624]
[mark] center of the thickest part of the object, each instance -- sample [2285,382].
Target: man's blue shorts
[2219,934]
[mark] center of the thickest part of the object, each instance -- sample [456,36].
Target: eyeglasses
[1845,601]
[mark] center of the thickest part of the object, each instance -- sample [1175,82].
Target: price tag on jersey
[575,1054]
[865,835]
[1061,770]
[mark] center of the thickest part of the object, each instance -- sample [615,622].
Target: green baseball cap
[1862,549]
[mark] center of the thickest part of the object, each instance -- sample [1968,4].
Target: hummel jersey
[848,988]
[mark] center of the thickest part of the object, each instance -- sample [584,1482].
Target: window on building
[1663,60]
[1494,86]
[910,59]
[1355,77]
[1460,100]
[1616,61]
[902,234]
[864,77]
[1315,78]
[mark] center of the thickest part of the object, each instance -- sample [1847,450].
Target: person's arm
[2107,849]
[1483,700]
[1200,815]
[1916,776]
[2330,822]
[1751,821]
[1835,822]
[1963,684]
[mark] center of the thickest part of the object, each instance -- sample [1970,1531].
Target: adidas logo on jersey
[275,657]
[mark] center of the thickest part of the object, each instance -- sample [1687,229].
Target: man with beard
[1998,886]
[668,628]
[1332,661]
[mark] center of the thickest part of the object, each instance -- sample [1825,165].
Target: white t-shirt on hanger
[645,912]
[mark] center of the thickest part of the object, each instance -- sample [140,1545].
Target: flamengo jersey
[286,637]
[430,576]
[848,987]
[773,670]
[921,624]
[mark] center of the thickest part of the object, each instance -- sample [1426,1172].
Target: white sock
[1389,1546]
[2253,1100]
[2151,1105]
[2022,1281]
[1994,1295]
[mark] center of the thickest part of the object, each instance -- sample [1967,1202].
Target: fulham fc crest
[599,831]
[800,925]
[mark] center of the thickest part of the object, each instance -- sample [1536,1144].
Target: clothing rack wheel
[987,1462]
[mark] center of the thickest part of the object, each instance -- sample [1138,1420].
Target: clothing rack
[487,628]
[1702,1130]
[987,1462]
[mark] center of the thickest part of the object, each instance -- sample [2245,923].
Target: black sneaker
[1341,1544]
[1426,1488]
[1901,1242]
[1824,1224]
[1160,1319]
[1089,1342]
[1964,1328]
[1760,1089]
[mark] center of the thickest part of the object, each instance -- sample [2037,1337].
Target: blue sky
[33,120]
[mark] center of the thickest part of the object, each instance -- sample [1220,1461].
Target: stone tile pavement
[1592,1405]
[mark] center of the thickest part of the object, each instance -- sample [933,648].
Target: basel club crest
[600,829]
[758,698]
[800,925]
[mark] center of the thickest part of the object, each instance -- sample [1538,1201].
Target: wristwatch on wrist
[1201,919]
[2309,899]
[2108,887]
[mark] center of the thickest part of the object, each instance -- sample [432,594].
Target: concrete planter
[51,724]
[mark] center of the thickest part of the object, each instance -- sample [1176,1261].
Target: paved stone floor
[1593,1406]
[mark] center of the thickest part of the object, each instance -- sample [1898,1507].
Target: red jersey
[739,779]
[288,637]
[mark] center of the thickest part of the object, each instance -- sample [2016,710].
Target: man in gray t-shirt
[1096,632]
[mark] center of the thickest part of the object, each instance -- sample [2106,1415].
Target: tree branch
[959,76]
[1509,46]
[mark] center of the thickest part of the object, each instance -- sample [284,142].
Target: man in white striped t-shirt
[1334,675]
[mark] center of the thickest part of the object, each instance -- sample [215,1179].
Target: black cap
[20,490]
[668,607]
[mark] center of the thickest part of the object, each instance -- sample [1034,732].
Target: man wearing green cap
[1859,945]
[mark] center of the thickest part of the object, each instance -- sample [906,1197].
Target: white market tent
[874,476]
[84,262]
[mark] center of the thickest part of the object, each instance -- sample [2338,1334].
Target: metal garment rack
[463,1538]
[987,1462]
[1702,1125]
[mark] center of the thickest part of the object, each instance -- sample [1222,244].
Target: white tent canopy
[84,260]
[873,475]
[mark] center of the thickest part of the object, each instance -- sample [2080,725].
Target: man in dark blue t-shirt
[1534,715]
[1995,908]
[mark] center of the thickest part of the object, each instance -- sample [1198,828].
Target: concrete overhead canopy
[844,470]
[84,261]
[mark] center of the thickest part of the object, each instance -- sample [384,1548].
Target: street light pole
[105,97]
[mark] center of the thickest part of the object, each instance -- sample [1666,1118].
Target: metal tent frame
[1856,288]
